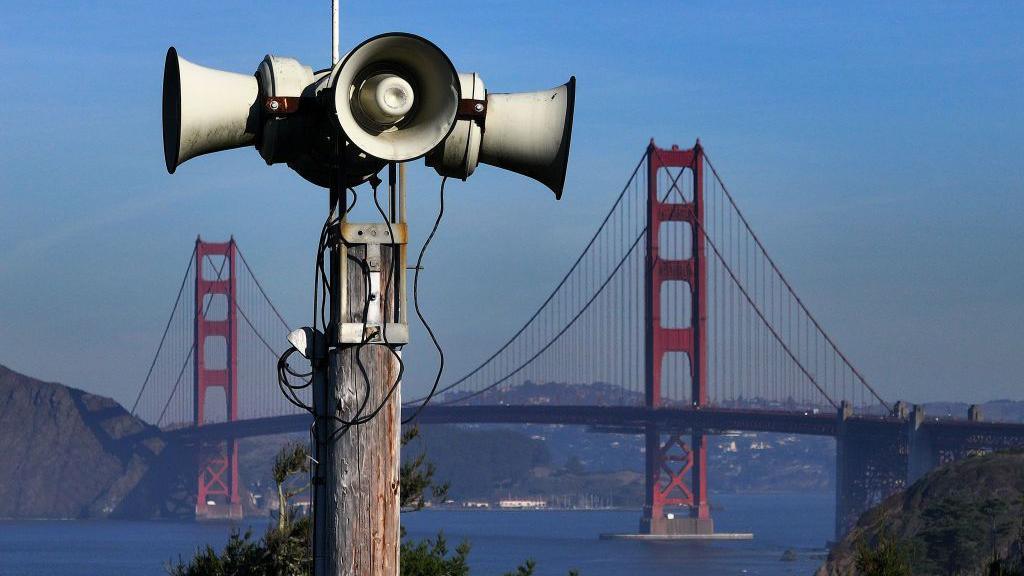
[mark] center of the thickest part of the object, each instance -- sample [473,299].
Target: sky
[874,146]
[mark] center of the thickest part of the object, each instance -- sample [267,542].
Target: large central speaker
[396,96]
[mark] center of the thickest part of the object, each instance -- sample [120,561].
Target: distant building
[521,504]
[302,505]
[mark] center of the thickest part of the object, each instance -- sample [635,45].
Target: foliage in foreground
[890,557]
[284,550]
[958,538]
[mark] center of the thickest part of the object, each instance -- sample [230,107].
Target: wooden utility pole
[356,516]
[357,394]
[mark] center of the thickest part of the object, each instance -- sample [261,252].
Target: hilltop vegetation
[963,518]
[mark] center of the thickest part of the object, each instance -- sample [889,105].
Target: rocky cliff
[955,520]
[65,453]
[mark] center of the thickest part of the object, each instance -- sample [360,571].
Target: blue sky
[875,146]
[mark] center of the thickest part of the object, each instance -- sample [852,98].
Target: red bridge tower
[676,471]
[216,366]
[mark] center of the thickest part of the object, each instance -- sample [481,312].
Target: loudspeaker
[525,132]
[459,155]
[396,96]
[283,138]
[205,110]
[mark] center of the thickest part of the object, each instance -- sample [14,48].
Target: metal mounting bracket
[374,333]
[472,109]
[375,329]
[373,233]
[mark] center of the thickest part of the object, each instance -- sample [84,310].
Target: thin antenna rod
[335,32]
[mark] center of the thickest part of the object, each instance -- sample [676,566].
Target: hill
[65,453]
[954,520]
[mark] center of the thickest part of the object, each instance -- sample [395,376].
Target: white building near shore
[522,504]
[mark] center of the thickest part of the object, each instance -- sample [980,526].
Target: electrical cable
[551,296]
[419,313]
[359,418]
[322,281]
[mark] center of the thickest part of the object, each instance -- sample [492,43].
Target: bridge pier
[921,457]
[676,475]
[676,471]
[871,464]
[215,350]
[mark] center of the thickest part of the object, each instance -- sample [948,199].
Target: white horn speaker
[396,96]
[529,133]
[205,110]
[525,132]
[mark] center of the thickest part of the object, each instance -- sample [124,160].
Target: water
[557,540]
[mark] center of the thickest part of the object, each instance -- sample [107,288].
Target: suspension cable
[220,272]
[262,291]
[170,319]
[789,287]
[550,297]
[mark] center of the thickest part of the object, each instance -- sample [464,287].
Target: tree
[958,533]
[285,548]
[889,557]
[574,466]
[417,477]
[292,460]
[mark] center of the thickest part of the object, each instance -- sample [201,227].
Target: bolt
[274,104]
[479,107]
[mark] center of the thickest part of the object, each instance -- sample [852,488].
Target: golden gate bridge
[674,313]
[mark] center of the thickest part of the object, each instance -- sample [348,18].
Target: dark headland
[65,453]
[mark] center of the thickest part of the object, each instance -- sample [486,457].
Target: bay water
[557,540]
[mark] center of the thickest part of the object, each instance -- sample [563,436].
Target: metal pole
[323,393]
[335,32]
[323,409]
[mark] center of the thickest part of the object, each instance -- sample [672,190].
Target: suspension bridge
[674,316]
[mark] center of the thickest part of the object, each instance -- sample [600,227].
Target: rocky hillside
[955,520]
[65,453]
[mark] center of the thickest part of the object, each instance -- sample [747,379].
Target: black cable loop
[419,313]
[565,278]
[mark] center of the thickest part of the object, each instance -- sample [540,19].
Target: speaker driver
[396,96]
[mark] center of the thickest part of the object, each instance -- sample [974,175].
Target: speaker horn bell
[205,110]
[525,132]
[396,96]
[529,133]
